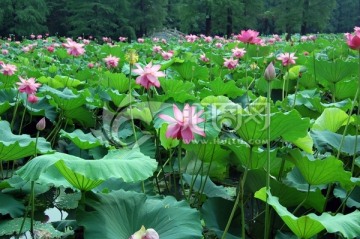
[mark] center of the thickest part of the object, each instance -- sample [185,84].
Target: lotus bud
[41,124]
[150,234]
[270,73]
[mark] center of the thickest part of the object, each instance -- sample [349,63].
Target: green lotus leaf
[324,139]
[218,87]
[81,140]
[331,119]
[9,227]
[12,207]
[167,143]
[67,99]
[216,212]
[43,108]
[120,100]
[290,126]
[346,88]
[4,106]
[129,165]
[178,90]
[333,71]
[303,227]
[60,81]
[210,189]
[190,71]
[324,171]
[14,147]
[305,143]
[311,224]
[82,115]
[117,81]
[352,200]
[120,214]
[289,196]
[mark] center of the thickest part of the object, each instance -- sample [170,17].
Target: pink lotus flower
[353,41]
[204,58]
[208,39]
[32,99]
[249,36]
[145,234]
[39,37]
[157,49]
[28,86]
[50,48]
[74,48]
[91,65]
[270,72]
[218,45]
[140,40]
[155,39]
[8,69]
[163,41]
[86,41]
[238,52]
[148,76]
[167,55]
[184,124]
[122,39]
[26,49]
[230,63]
[4,52]
[357,30]
[111,61]
[287,58]
[191,38]
[32,36]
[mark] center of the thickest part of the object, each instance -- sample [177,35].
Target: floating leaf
[120,214]
[67,99]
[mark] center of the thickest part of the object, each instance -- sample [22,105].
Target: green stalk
[179,165]
[22,118]
[284,83]
[130,105]
[268,166]
[15,111]
[296,90]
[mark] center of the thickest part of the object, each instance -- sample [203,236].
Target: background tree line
[135,18]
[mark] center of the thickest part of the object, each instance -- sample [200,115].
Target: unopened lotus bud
[150,234]
[41,124]
[270,73]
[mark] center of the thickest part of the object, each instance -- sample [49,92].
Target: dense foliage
[193,137]
[132,18]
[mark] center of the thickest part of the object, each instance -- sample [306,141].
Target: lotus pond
[193,137]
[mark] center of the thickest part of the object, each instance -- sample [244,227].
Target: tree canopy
[136,18]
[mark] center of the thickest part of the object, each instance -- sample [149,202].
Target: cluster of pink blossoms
[353,40]
[74,48]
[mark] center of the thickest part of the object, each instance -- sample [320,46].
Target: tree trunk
[229,23]
[304,26]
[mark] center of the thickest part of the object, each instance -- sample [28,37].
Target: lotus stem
[179,165]
[22,118]
[130,105]
[15,111]
[268,166]
[32,207]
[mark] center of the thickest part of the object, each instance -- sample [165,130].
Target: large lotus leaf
[335,71]
[346,89]
[82,140]
[210,189]
[320,171]
[290,126]
[289,196]
[67,99]
[216,212]
[129,165]
[120,214]
[190,71]
[311,224]
[59,81]
[9,227]
[303,227]
[178,90]
[82,115]
[14,147]
[296,180]
[305,143]
[43,107]
[117,81]
[218,87]
[11,206]
[4,106]
[324,139]
[258,158]
[331,119]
